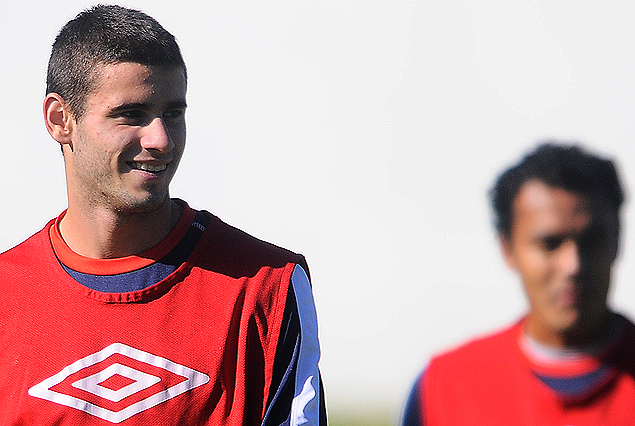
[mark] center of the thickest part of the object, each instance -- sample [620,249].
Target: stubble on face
[119,131]
[100,175]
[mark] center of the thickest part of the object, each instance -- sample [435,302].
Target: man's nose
[570,260]
[155,135]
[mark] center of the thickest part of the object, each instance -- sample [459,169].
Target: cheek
[536,274]
[178,137]
[534,265]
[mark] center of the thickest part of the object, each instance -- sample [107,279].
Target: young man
[131,307]
[570,360]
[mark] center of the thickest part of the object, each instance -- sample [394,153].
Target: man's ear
[58,119]
[507,251]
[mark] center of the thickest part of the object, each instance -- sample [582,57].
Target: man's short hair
[104,35]
[566,167]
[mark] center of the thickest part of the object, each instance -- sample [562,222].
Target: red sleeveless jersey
[490,381]
[196,348]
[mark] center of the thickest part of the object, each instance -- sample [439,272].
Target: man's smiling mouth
[147,167]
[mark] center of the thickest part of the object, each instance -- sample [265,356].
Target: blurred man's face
[562,245]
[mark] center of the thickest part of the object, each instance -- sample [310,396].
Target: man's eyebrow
[181,104]
[130,106]
[177,105]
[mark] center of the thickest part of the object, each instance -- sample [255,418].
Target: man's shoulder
[486,364]
[28,251]
[496,346]
[630,326]
[238,241]
[234,248]
[624,348]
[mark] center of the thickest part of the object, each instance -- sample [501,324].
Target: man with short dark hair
[131,307]
[570,360]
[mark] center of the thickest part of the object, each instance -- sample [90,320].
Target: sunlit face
[563,246]
[127,146]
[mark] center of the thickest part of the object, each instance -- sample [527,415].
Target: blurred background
[364,135]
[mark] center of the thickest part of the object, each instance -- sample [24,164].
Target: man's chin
[565,320]
[142,205]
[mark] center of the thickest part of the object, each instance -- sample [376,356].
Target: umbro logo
[118,382]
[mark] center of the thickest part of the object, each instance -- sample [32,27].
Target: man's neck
[597,346]
[105,234]
[578,338]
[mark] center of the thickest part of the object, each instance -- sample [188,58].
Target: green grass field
[383,418]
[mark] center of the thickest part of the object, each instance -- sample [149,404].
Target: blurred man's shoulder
[480,351]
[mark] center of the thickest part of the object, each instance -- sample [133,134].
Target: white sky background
[364,135]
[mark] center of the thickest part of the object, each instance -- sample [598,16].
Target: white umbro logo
[118,382]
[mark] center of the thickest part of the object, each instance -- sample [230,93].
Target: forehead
[133,82]
[540,208]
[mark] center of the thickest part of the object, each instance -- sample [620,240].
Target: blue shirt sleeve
[297,395]
[413,414]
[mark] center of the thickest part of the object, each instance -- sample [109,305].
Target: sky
[366,136]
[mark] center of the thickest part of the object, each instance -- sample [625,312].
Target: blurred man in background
[570,360]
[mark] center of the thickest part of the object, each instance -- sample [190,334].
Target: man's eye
[130,117]
[594,238]
[173,114]
[551,243]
